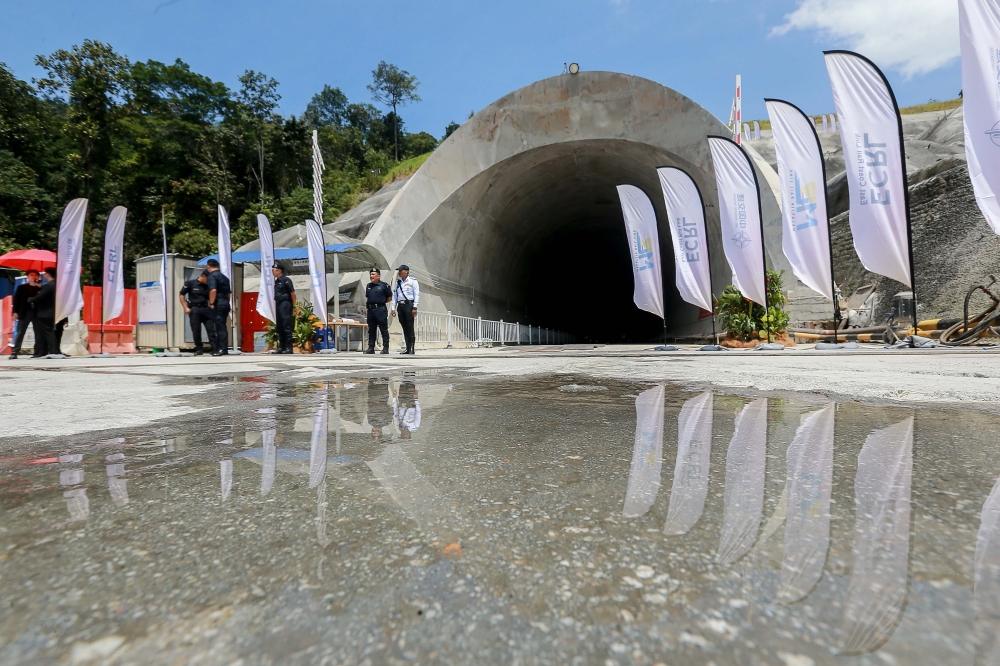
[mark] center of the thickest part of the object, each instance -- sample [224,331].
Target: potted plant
[748,323]
[304,325]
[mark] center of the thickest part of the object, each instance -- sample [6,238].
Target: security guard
[284,300]
[219,289]
[196,307]
[406,296]
[378,296]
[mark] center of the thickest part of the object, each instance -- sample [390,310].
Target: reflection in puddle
[807,519]
[396,518]
[744,496]
[877,591]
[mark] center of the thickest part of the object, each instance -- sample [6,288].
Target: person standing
[406,296]
[24,315]
[406,409]
[196,307]
[379,411]
[44,304]
[284,302]
[219,289]
[378,296]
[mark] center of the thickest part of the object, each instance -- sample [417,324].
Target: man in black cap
[378,296]
[196,307]
[24,314]
[219,289]
[284,302]
[406,296]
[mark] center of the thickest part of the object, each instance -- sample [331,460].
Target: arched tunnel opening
[542,238]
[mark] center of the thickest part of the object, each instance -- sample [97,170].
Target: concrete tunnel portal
[521,204]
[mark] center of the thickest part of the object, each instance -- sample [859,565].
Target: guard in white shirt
[405,297]
[406,409]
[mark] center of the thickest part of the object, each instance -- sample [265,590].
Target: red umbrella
[28,260]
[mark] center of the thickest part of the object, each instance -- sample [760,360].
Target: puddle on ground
[409,519]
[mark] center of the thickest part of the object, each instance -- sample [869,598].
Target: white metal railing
[437,327]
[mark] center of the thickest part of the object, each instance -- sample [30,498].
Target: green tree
[450,129]
[94,79]
[393,87]
[258,98]
[327,108]
[418,144]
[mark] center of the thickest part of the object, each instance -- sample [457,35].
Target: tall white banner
[880,558]
[69,295]
[647,454]
[265,296]
[225,244]
[114,276]
[873,151]
[805,235]
[644,244]
[686,213]
[743,500]
[979,29]
[694,449]
[739,213]
[809,483]
[317,268]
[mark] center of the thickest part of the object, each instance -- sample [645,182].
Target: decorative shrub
[304,325]
[747,320]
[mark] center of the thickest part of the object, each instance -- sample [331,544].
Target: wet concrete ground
[439,517]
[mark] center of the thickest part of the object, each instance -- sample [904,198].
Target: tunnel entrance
[519,207]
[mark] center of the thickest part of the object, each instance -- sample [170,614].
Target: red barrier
[250,320]
[119,333]
[7,330]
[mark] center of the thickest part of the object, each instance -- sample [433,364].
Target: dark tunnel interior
[593,298]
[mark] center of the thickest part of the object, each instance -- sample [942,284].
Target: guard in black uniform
[196,307]
[219,289]
[378,296]
[284,301]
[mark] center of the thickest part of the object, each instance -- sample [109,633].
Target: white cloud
[912,36]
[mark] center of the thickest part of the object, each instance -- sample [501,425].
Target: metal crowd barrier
[438,327]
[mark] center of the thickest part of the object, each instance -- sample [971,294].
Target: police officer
[406,296]
[196,307]
[284,300]
[219,289]
[378,296]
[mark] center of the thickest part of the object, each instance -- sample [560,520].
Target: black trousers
[378,320]
[221,311]
[45,336]
[284,324]
[22,329]
[405,314]
[202,314]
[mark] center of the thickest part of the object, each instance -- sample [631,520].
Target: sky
[467,53]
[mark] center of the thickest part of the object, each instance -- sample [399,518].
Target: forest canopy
[155,137]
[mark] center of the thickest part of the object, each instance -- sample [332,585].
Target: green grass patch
[404,168]
[946,105]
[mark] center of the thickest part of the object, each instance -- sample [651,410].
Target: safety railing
[438,327]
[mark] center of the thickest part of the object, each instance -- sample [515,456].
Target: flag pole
[763,250]
[166,297]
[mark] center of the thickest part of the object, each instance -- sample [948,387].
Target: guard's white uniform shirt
[408,417]
[408,290]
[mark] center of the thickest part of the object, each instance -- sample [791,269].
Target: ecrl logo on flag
[643,252]
[805,203]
